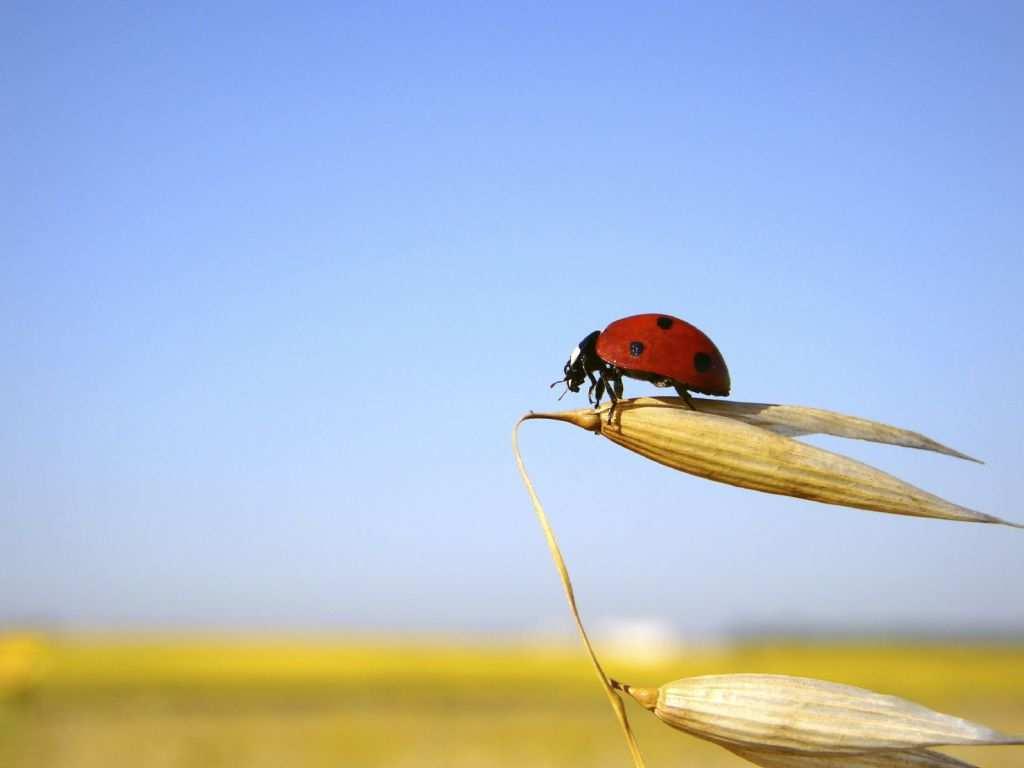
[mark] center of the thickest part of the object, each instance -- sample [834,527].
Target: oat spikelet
[731,451]
[918,758]
[778,713]
[796,420]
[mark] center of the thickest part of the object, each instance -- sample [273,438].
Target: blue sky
[275,283]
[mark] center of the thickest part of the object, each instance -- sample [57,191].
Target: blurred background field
[201,701]
[276,282]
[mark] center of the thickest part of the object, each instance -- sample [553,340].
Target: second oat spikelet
[804,716]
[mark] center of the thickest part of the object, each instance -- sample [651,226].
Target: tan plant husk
[728,449]
[918,758]
[796,420]
[779,713]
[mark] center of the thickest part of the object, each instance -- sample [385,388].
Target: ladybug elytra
[661,349]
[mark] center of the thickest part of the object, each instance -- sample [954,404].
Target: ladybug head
[582,361]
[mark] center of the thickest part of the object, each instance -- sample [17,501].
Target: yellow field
[109,701]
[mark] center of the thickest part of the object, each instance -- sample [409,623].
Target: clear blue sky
[275,283]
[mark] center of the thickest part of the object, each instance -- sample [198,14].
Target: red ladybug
[661,349]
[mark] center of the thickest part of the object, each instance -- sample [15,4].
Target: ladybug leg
[617,381]
[614,387]
[683,393]
[593,388]
[598,390]
[615,401]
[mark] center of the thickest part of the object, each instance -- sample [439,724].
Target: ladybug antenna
[555,384]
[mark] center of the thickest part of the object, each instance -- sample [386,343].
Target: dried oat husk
[803,716]
[728,449]
[920,758]
[797,420]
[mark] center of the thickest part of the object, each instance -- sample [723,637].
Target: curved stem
[563,573]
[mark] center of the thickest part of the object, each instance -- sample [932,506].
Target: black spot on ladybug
[664,323]
[636,348]
[701,362]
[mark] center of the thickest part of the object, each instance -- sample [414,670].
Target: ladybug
[661,349]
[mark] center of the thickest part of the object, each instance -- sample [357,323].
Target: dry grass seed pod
[728,450]
[920,758]
[778,713]
[796,420]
